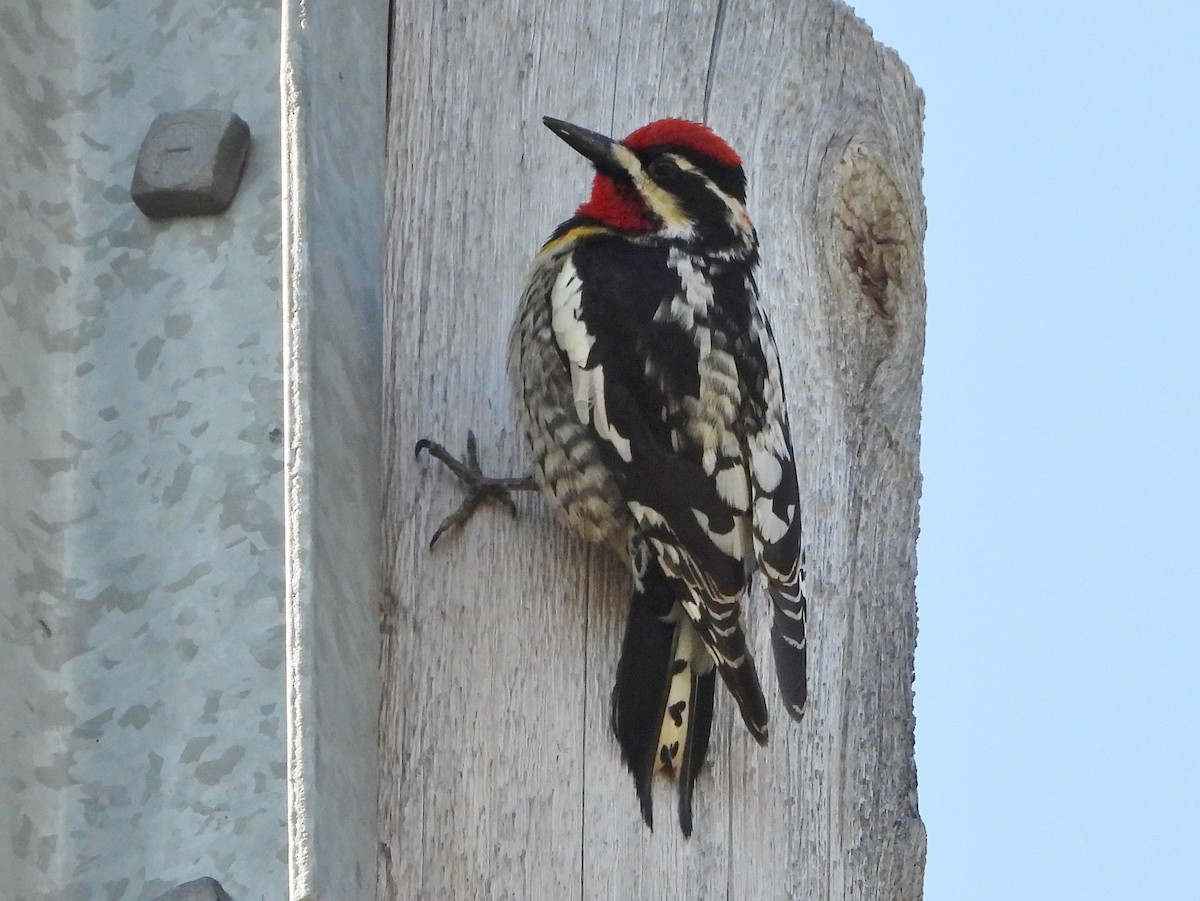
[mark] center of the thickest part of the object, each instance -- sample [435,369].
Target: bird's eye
[664,169]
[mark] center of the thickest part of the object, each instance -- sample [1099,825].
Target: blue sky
[1058,665]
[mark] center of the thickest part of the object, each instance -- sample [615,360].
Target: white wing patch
[679,310]
[604,428]
[572,335]
[768,448]
[768,471]
[566,306]
[769,526]
[733,487]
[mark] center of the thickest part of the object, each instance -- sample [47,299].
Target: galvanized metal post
[189,525]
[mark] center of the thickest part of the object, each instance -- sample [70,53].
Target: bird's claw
[479,487]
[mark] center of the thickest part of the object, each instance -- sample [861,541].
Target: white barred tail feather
[662,701]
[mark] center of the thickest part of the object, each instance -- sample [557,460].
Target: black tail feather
[697,745]
[742,682]
[790,647]
[643,677]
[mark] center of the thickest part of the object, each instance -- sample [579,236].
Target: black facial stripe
[730,179]
[697,198]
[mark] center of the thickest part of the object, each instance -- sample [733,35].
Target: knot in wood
[873,226]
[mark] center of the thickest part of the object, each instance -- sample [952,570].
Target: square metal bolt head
[190,163]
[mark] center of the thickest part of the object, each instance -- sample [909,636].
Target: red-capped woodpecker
[649,388]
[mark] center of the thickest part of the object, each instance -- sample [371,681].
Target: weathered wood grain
[500,777]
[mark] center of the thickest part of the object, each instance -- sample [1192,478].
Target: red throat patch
[616,205]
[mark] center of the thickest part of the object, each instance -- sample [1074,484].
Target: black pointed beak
[593,145]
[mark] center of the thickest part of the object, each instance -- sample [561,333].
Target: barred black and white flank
[650,391]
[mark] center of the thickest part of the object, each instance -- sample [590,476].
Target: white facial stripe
[676,222]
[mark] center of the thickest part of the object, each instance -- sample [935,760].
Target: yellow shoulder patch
[579,231]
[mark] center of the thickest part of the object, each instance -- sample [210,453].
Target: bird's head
[672,179]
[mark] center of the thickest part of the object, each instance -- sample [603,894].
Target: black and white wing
[776,518]
[654,373]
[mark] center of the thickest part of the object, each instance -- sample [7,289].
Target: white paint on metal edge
[297,535]
[333,78]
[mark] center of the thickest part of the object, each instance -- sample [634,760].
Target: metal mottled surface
[141,530]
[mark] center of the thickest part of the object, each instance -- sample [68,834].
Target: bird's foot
[479,487]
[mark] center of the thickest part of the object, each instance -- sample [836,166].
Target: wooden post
[499,775]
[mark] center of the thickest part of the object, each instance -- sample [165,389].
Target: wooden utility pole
[499,774]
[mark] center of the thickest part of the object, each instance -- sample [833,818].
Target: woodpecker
[649,389]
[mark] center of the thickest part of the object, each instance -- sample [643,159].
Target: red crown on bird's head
[686,135]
